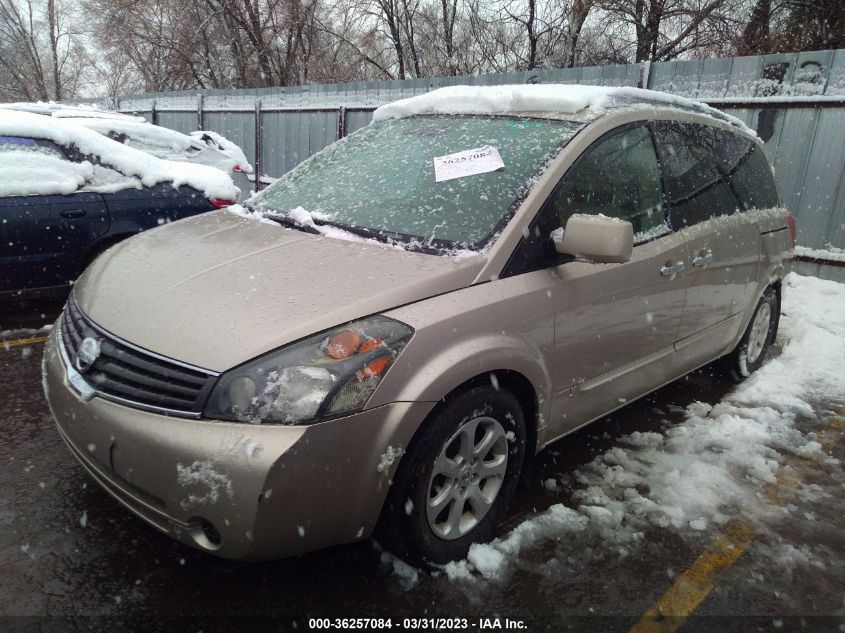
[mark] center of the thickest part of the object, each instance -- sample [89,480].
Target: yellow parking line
[672,609]
[17,342]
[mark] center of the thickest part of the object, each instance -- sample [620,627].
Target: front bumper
[270,491]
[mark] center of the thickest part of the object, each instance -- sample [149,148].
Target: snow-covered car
[225,148]
[68,193]
[203,148]
[385,337]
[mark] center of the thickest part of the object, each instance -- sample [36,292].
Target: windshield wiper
[409,242]
[286,220]
[357,230]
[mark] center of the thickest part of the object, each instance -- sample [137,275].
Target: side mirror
[597,238]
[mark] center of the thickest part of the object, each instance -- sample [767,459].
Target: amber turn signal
[343,344]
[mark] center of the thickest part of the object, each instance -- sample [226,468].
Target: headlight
[329,374]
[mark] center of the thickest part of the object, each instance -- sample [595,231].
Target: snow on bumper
[269,491]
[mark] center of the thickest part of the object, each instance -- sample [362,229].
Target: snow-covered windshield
[382,180]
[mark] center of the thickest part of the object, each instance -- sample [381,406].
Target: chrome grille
[133,376]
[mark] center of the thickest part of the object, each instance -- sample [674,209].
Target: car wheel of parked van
[454,485]
[751,351]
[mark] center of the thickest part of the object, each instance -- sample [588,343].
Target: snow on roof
[552,98]
[149,170]
[140,130]
[62,110]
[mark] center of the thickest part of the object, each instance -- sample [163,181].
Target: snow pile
[699,474]
[408,576]
[553,98]
[147,169]
[491,560]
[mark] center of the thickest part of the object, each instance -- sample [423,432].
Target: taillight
[237,169]
[793,227]
[219,203]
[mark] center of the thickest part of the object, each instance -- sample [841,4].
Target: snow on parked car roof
[169,144]
[567,99]
[140,130]
[148,170]
[63,111]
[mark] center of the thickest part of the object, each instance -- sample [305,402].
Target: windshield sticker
[467,163]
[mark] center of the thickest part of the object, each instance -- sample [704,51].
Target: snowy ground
[694,476]
[619,511]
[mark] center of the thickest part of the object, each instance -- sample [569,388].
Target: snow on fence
[795,102]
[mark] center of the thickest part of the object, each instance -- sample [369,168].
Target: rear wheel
[752,348]
[454,485]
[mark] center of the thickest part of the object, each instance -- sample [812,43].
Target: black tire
[404,526]
[750,353]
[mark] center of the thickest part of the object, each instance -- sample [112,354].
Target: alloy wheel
[467,477]
[759,333]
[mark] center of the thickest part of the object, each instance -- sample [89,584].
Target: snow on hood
[249,288]
[149,170]
[557,98]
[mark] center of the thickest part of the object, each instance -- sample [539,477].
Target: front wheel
[454,486]
[751,351]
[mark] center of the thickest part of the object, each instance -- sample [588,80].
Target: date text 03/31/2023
[413,624]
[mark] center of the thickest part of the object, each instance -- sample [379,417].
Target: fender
[456,363]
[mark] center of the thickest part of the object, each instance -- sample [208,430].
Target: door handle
[73,214]
[703,260]
[668,271]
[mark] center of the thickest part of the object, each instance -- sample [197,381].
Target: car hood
[218,289]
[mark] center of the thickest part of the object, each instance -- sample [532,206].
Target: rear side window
[694,170]
[618,178]
[742,163]
[753,181]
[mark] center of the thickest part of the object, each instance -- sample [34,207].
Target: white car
[202,147]
[225,147]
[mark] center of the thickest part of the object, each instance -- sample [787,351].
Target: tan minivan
[382,339]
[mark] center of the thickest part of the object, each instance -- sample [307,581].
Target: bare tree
[666,29]
[39,54]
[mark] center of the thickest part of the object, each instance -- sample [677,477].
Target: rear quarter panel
[776,257]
